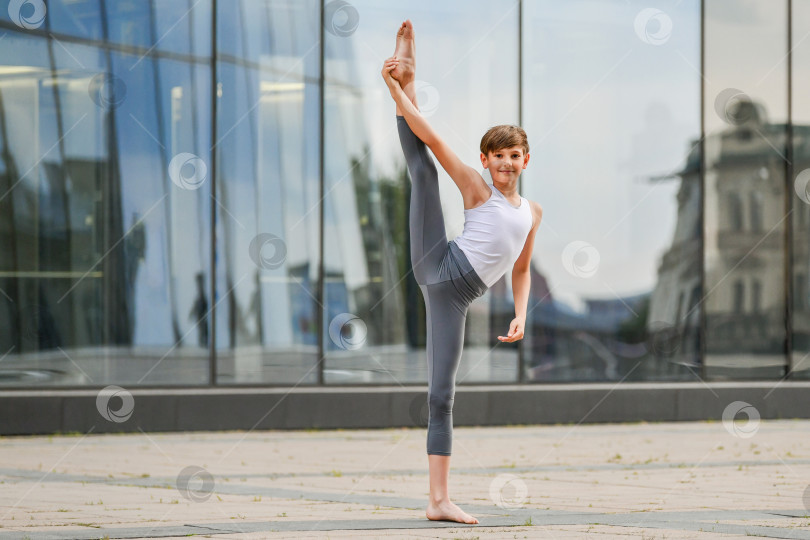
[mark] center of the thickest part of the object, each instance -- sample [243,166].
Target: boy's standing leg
[427,229]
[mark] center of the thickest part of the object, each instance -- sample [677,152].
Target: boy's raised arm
[468,180]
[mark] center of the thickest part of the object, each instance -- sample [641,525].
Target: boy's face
[505,164]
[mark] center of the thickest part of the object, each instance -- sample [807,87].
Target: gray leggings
[448,282]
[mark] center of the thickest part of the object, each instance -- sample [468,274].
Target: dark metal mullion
[212,342]
[521,345]
[788,162]
[321,151]
[702,180]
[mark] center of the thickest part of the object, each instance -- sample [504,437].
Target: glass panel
[374,327]
[81,18]
[180,26]
[745,119]
[105,258]
[801,193]
[267,195]
[613,119]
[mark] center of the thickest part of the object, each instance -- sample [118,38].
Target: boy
[499,230]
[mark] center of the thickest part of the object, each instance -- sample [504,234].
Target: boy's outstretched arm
[521,278]
[468,180]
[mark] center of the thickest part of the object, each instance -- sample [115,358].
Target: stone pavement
[640,480]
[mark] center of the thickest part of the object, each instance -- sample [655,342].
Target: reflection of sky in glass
[801,61]
[605,111]
[755,65]
[458,46]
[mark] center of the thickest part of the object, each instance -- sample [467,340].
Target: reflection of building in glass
[675,300]
[745,221]
[744,246]
[745,203]
[800,301]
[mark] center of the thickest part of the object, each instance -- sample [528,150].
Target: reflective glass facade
[199,192]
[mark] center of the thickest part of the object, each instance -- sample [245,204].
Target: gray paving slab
[668,480]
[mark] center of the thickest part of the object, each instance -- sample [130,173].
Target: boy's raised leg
[427,233]
[405,52]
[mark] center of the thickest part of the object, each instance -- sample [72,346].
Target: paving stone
[650,480]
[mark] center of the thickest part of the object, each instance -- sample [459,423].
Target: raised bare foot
[406,54]
[448,511]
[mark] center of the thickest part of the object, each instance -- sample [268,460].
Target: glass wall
[800,194]
[374,322]
[267,196]
[104,235]
[745,210]
[201,192]
[612,109]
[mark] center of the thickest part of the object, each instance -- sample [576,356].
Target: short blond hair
[504,136]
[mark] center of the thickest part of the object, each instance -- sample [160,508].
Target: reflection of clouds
[737,13]
[636,122]
[730,30]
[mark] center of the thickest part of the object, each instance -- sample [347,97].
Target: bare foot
[448,511]
[406,54]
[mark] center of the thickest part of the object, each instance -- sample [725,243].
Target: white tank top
[494,235]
